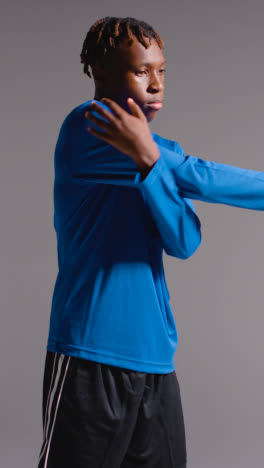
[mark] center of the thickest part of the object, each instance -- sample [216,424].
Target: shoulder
[77,112]
[74,119]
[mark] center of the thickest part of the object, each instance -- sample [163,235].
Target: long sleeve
[213,182]
[90,159]
[174,215]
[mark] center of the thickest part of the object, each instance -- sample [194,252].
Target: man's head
[126,59]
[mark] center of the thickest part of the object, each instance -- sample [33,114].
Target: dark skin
[122,77]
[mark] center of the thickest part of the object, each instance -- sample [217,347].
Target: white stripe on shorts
[51,418]
[48,399]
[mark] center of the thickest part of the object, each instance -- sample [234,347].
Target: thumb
[135,108]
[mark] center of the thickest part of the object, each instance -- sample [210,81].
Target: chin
[150,113]
[150,116]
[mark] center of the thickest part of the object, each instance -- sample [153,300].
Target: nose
[156,82]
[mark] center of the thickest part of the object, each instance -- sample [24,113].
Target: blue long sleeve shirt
[110,302]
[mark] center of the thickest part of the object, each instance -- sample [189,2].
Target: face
[133,71]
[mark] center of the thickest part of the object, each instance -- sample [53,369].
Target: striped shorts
[101,416]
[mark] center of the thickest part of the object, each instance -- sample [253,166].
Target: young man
[122,194]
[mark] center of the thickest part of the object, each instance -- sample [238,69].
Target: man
[122,195]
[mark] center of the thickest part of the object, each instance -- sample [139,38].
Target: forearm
[218,183]
[213,182]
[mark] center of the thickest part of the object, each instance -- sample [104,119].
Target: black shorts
[101,416]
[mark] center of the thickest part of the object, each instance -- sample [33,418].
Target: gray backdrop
[214,107]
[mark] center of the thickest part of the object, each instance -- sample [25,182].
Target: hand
[130,134]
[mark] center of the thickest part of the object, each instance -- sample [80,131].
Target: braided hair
[108,32]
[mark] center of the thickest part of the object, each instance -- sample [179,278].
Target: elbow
[193,246]
[193,239]
[187,249]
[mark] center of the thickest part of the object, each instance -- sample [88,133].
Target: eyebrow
[147,63]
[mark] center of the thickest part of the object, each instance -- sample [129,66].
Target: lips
[155,105]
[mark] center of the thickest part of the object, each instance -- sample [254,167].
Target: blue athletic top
[110,302]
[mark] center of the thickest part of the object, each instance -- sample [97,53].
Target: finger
[98,134]
[135,108]
[114,106]
[101,111]
[99,122]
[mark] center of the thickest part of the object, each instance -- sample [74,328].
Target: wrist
[146,168]
[147,161]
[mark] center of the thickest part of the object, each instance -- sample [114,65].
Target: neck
[99,94]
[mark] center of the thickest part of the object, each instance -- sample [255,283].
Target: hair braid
[108,32]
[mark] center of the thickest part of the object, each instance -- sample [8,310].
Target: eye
[140,72]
